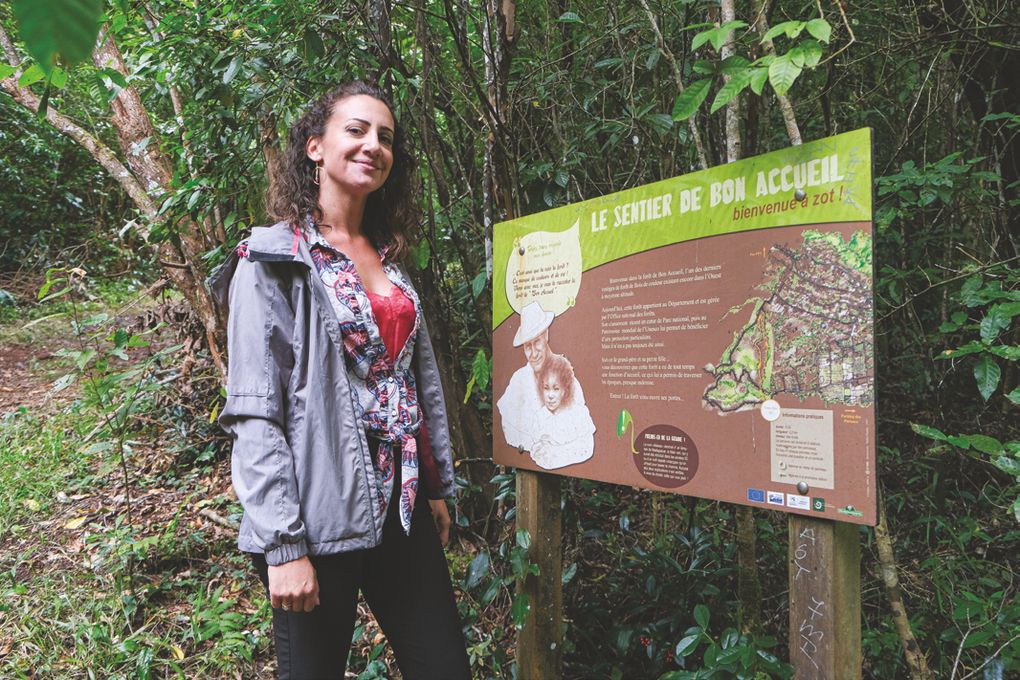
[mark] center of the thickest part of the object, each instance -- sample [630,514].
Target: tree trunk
[916,660]
[140,144]
[748,584]
[146,177]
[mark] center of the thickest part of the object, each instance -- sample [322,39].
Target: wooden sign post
[540,642]
[825,599]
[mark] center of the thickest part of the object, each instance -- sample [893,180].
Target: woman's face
[356,149]
[552,392]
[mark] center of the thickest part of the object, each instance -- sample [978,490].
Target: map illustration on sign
[710,334]
[803,336]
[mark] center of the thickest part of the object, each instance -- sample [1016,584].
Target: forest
[134,141]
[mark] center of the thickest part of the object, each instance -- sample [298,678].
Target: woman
[335,403]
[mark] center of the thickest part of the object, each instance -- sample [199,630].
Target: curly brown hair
[558,367]
[390,211]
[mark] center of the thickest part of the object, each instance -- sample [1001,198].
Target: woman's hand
[293,586]
[441,516]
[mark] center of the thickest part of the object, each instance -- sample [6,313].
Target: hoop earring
[315,178]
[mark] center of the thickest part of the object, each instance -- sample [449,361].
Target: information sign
[710,334]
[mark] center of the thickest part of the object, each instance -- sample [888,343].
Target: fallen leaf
[178,652]
[75,523]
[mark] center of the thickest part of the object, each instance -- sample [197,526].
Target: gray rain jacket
[301,465]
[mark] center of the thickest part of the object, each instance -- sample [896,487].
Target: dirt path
[21,379]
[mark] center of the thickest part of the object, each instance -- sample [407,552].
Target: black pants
[405,581]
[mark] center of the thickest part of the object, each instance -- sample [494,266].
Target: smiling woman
[335,403]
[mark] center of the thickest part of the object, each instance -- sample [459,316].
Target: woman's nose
[371,142]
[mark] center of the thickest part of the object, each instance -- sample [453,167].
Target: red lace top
[394,315]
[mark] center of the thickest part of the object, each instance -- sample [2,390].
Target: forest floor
[105,579]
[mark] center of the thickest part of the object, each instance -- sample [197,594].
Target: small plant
[732,654]
[992,301]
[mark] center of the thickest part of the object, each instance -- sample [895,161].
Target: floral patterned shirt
[387,399]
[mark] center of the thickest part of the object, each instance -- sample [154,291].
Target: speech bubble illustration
[545,267]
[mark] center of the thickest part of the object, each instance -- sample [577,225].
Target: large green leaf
[64,28]
[759,77]
[996,321]
[929,432]
[731,89]
[478,568]
[481,369]
[32,74]
[519,609]
[701,615]
[722,34]
[688,102]
[984,443]
[812,52]
[986,373]
[782,73]
[820,29]
[687,645]
[791,28]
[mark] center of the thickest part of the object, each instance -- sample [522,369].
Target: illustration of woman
[564,433]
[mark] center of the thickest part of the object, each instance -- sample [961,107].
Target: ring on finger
[285,606]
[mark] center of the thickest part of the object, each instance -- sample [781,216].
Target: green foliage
[588,104]
[781,70]
[53,29]
[733,654]
[481,373]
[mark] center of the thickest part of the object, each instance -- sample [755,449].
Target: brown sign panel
[724,351]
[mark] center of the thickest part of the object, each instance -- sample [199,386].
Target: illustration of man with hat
[520,404]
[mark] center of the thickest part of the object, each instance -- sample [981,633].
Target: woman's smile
[355,153]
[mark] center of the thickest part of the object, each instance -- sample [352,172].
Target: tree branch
[64,125]
[678,79]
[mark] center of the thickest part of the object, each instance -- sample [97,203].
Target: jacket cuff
[286,552]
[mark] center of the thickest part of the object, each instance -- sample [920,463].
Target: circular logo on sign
[770,410]
[666,456]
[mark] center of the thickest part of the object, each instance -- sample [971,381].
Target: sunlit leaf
[31,75]
[687,645]
[820,29]
[731,89]
[782,73]
[688,102]
[481,369]
[929,432]
[791,28]
[759,77]
[812,52]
